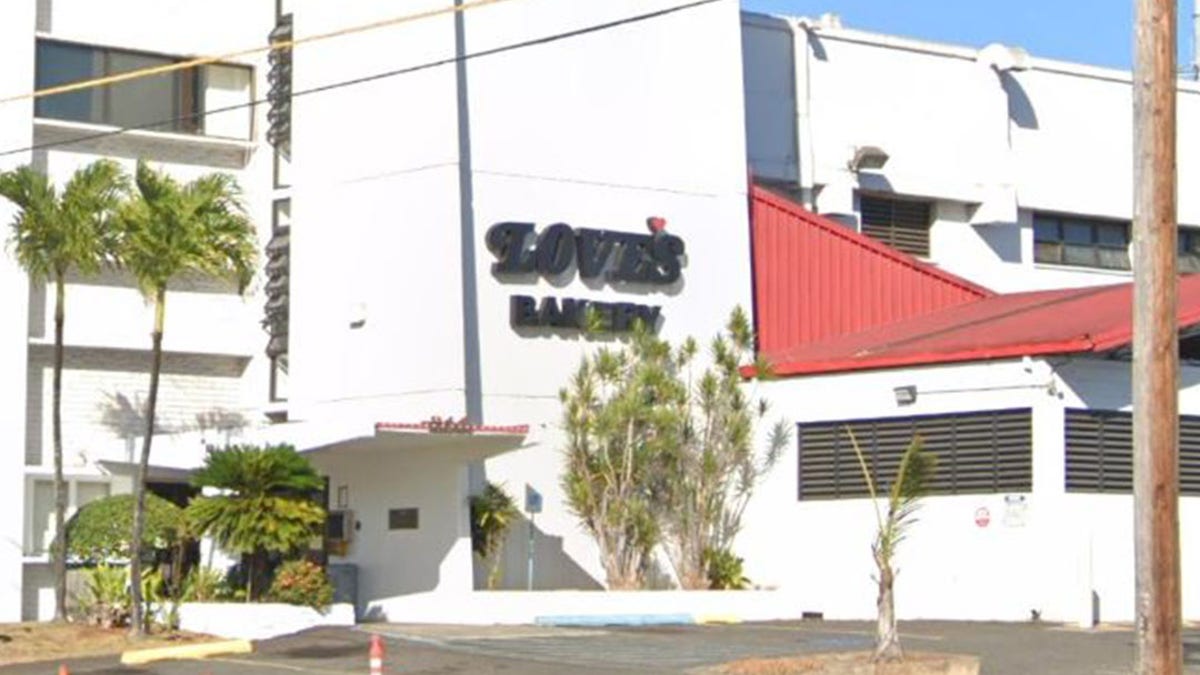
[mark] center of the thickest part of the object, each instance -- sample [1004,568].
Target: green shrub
[205,584]
[105,601]
[100,531]
[300,582]
[725,571]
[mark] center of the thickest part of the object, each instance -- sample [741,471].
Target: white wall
[16,51]
[434,557]
[949,567]
[1054,137]
[1069,545]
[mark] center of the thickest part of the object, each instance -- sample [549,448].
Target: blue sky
[1098,32]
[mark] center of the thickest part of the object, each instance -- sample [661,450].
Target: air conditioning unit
[339,526]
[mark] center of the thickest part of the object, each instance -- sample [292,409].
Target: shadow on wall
[1005,242]
[1020,108]
[553,568]
[1112,390]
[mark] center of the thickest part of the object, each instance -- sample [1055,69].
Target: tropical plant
[52,236]
[724,571]
[99,532]
[265,503]
[620,414]
[300,582]
[492,514]
[105,601]
[167,231]
[205,584]
[903,499]
[708,478]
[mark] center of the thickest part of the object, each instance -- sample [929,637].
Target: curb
[194,651]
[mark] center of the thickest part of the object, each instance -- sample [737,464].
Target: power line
[596,28]
[276,45]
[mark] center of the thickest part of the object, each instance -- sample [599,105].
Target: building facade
[214,373]
[440,198]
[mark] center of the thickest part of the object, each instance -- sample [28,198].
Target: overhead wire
[595,28]
[271,46]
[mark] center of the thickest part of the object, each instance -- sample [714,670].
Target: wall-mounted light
[906,395]
[868,157]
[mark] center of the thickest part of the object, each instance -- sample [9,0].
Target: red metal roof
[816,279]
[1040,323]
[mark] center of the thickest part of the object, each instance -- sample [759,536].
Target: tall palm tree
[266,503]
[52,236]
[169,230]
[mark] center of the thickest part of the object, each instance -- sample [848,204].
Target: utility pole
[1155,342]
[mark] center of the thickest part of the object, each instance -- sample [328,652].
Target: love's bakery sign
[623,260]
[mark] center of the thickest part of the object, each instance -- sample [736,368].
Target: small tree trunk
[887,640]
[139,483]
[60,485]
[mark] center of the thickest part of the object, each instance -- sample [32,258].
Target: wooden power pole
[1155,342]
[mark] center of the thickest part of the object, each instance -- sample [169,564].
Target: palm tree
[912,483]
[492,514]
[265,503]
[52,236]
[169,230]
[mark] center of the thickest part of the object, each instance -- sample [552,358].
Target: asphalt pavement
[1005,649]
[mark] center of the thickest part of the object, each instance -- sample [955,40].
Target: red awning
[1039,323]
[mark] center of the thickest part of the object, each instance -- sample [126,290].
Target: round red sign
[982,516]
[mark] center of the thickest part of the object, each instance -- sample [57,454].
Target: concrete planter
[258,621]
[853,663]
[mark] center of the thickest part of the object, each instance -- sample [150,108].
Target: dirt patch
[25,642]
[853,663]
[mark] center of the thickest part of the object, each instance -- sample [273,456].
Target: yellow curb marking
[196,651]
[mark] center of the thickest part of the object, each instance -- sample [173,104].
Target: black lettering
[633,252]
[666,251]
[555,250]
[593,248]
[623,316]
[522,311]
[506,241]
[648,316]
[548,313]
[572,313]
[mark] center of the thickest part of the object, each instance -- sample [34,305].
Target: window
[1100,452]
[900,223]
[175,101]
[977,452]
[1084,242]
[41,512]
[1189,250]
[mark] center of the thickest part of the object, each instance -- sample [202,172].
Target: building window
[41,512]
[1084,242]
[1189,250]
[1100,452]
[182,101]
[900,223]
[977,452]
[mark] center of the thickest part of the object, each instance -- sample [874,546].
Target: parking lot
[1006,649]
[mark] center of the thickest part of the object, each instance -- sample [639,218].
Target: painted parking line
[277,665]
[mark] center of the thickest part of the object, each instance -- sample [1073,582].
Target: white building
[420,152]
[215,374]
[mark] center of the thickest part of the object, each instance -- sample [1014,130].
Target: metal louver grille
[1100,452]
[900,223]
[977,452]
[279,79]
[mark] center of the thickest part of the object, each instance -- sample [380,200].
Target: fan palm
[169,230]
[53,235]
[911,484]
[265,502]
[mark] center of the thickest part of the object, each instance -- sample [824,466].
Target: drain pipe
[801,69]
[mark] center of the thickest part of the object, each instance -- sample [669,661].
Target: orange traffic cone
[376,654]
[62,670]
